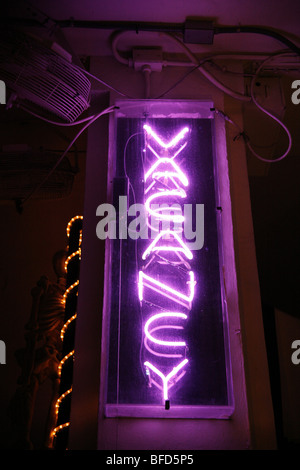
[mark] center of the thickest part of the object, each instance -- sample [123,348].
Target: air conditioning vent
[42,77]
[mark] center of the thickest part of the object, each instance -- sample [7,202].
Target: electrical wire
[209,59]
[245,137]
[138,27]
[147,75]
[91,121]
[241,133]
[198,65]
[258,30]
[105,84]
[205,72]
[114,46]
[56,123]
[194,62]
[181,80]
[272,116]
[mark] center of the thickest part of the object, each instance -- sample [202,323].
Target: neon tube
[153,151]
[179,150]
[172,192]
[165,175]
[164,315]
[163,144]
[166,290]
[160,353]
[173,156]
[164,180]
[165,379]
[152,247]
[177,173]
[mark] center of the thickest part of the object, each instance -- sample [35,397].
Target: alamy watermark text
[134,222]
[2,92]
[296,94]
[296,354]
[2,352]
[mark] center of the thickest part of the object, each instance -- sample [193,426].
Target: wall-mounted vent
[41,77]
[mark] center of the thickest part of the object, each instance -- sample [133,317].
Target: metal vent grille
[41,76]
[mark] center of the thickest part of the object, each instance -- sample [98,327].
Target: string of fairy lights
[59,434]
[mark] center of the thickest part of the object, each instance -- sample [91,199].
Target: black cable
[101,25]
[150,27]
[258,30]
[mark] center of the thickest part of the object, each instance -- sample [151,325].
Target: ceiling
[282,16]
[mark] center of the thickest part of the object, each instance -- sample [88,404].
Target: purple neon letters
[165,181]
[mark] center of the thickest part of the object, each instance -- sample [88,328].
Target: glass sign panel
[168,353]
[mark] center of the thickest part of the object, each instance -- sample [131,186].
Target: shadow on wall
[275,208]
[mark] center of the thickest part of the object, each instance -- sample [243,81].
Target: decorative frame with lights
[165,317]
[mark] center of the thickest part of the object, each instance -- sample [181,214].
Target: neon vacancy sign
[166,243]
[167,351]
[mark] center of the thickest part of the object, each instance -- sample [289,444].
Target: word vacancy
[166,282]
